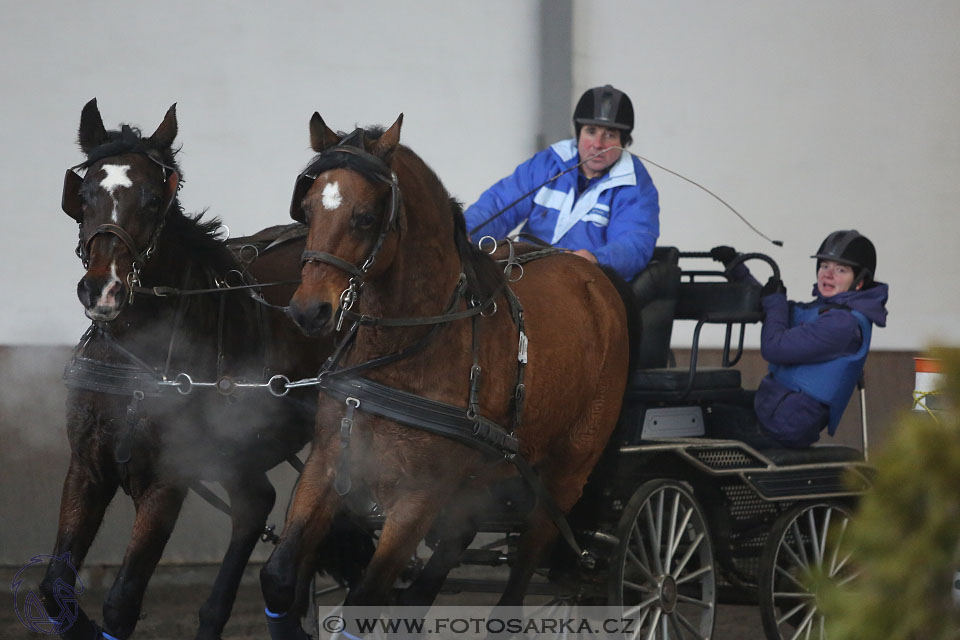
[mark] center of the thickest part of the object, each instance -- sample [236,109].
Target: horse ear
[163,137]
[321,136]
[92,132]
[387,144]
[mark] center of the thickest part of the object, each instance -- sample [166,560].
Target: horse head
[121,202]
[350,198]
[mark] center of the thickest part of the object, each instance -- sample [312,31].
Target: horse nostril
[86,293]
[311,318]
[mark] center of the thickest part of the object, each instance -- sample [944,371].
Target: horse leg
[82,506]
[157,511]
[456,532]
[408,521]
[251,499]
[541,532]
[282,578]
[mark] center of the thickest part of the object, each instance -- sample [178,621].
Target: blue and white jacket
[617,217]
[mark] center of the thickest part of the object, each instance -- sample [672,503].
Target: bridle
[379,171]
[72,205]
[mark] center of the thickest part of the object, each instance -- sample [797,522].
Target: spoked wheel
[662,574]
[806,540]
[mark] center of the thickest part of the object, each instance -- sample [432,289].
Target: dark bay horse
[128,431]
[387,243]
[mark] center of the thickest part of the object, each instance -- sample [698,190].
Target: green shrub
[905,536]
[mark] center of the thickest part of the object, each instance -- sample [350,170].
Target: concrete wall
[246,78]
[806,117]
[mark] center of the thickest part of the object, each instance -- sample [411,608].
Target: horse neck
[151,322]
[422,276]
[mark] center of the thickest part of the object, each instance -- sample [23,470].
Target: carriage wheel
[799,546]
[662,574]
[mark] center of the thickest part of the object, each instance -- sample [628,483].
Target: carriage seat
[726,303]
[655,291]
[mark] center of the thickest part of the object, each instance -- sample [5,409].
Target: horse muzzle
[313,318]
[102,298]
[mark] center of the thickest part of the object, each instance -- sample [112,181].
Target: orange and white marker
[929,381]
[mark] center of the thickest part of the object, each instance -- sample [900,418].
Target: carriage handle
[740,259]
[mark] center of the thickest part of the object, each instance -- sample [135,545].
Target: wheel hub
[668,594]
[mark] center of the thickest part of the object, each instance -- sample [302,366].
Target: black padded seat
[814,455]
[675,380]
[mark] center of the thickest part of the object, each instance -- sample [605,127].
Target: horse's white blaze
[331,196]
[108,295]
[116,177]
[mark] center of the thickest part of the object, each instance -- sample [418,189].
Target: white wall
[246,77]
[807,117]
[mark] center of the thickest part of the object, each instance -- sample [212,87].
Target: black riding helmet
[607,107]
[849,247]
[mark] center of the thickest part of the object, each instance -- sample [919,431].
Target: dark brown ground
[170,608]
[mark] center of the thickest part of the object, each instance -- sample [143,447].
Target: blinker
[300,189]
[70,201]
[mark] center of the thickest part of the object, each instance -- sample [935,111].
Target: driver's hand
[724,254]
[583,253]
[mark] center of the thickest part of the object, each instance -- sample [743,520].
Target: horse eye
[364,220]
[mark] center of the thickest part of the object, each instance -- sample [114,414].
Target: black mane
[129,139]
[484,276]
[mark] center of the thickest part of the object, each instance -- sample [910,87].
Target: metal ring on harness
[225,282]
[183,383]
[491,239]
[278,385]
[509,271]
[487,315]
[256,253]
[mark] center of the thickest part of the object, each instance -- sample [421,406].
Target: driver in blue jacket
[606,211]
[816,349]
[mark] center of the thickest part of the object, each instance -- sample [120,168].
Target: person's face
[834,278]
[595,139]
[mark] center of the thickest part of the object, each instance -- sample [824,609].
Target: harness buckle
[133,281]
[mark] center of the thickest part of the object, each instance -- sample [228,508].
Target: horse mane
[196,233]
[484,276]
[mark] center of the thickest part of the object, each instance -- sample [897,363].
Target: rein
[526,195]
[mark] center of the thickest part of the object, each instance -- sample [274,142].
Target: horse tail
[634,326]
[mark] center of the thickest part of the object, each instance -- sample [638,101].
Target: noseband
[72,206]
[382,173]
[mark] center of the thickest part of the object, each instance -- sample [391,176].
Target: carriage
[656,518]
[673,522]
